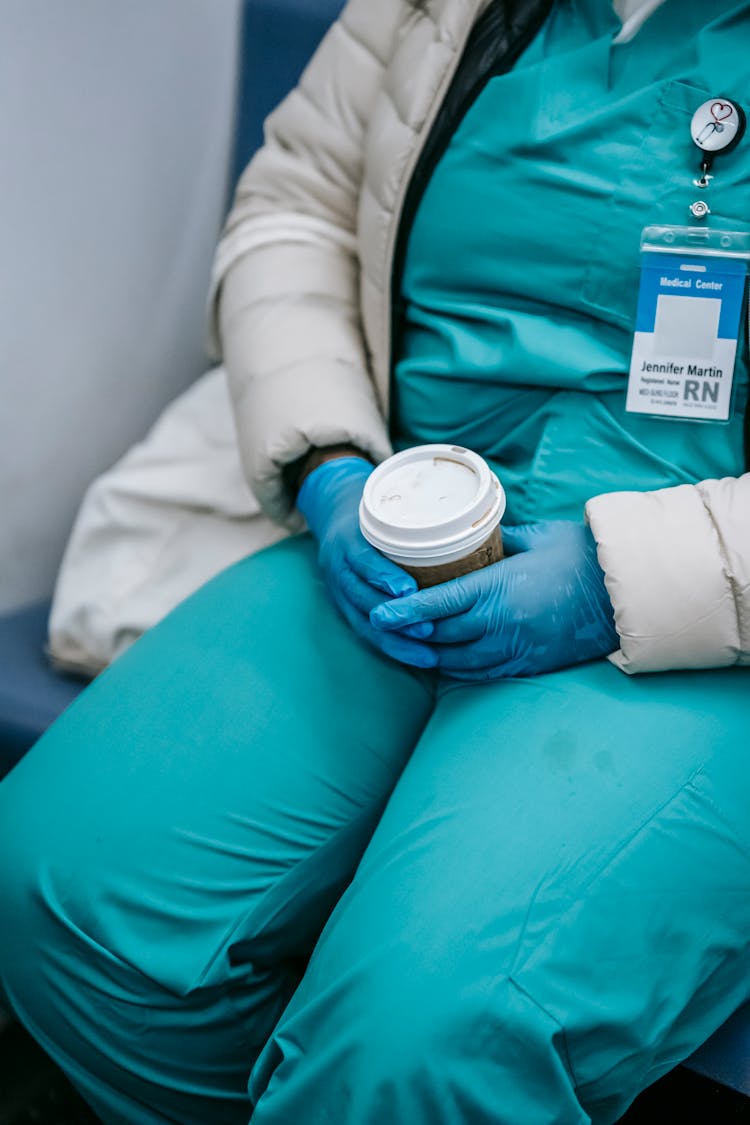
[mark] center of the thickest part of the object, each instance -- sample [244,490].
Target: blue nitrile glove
[544,607]
[358,577]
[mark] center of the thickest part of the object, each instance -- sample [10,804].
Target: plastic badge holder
[689,308]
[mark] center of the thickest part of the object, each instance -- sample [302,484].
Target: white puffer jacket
[302,305]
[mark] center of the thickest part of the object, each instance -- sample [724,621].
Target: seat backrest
[116,133]
[123,128]
[277,39]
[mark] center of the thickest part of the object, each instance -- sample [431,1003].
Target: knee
[21,898]
[409,1036]
[409,1021]
[413,1019]
[43,890]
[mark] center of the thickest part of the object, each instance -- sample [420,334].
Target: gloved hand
[358,577]
[544,607]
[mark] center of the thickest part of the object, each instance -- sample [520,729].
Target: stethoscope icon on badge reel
[717,126]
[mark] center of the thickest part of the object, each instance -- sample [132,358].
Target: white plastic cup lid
[431,504]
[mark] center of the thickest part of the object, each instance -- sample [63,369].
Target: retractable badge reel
[717,126]
[691,296]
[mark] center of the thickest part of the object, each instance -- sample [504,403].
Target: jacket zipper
[394,233]
[417,176]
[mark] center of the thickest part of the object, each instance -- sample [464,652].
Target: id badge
[690,305]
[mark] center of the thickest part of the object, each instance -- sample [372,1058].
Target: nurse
[323,848]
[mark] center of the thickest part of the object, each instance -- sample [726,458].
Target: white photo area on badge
[686,328]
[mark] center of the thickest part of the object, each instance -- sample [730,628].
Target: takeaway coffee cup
[435,510]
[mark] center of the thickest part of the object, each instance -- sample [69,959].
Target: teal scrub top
[522,266]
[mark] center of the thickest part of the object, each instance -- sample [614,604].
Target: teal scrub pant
[254,848]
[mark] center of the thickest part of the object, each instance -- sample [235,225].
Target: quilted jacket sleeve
[285,291]
[677,567]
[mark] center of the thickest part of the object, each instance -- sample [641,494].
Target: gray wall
[115,132]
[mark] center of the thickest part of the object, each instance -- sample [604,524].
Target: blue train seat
[276,39]
[32,694]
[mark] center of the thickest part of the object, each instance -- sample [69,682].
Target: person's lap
[558,852]
[173,846]
[553,910]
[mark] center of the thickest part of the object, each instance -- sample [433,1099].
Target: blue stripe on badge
[690,275]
